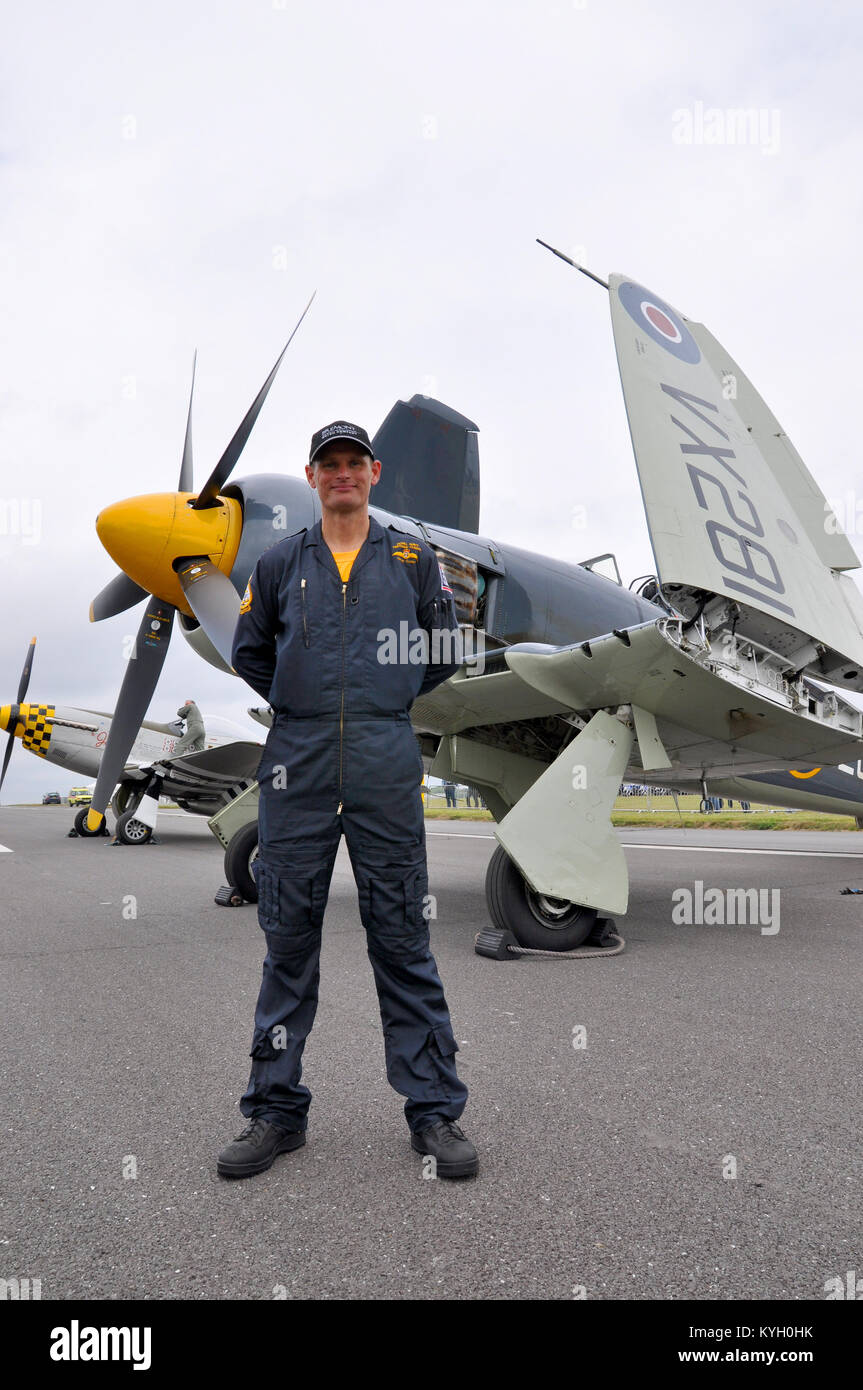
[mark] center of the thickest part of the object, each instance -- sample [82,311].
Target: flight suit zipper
[342,705]
[305,624]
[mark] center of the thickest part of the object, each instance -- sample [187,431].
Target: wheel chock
[495,944]
[229,896]
[603,933]
[502,945]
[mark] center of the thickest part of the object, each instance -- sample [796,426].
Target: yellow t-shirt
[344,559]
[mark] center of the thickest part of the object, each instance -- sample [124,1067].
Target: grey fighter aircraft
[734,664]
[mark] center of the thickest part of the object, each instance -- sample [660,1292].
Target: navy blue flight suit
[342,757]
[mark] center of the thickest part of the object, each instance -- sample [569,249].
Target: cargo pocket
[291,908]
[443,1047]
[395,923]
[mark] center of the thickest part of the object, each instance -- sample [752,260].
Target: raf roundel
[659,321]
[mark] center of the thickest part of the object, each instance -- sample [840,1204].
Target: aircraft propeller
[208,592]
[13,713]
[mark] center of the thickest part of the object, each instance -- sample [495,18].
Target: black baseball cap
[339,429]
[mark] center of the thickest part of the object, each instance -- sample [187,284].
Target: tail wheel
[240,855]
[132,832]
[535,919]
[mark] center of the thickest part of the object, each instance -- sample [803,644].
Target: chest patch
[407,551]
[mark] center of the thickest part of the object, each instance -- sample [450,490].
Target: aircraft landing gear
[240,855]
[536,920]
[130,831]
[80,824]
[121,798]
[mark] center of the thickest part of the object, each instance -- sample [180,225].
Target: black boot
[253,1151]
[454,1155]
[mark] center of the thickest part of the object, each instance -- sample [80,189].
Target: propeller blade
[10,744]
[25,674]
[22,691]
[213,600]
[186,482]
[136,692]
[116,597]
[208,496]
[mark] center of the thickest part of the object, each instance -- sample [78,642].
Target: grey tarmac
[125,1045]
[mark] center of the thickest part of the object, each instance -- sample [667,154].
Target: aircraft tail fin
[739,528]
[430,457]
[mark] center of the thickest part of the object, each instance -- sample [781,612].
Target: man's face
[343,475]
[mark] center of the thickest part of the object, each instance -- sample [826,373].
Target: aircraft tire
[81,823]
[540,923]
[242,850]
[130,831]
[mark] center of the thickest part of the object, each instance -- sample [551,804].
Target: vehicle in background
[80,796]
[52,799]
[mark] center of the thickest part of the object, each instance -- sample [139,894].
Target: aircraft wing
[228,762]
[731,508]
[693,712]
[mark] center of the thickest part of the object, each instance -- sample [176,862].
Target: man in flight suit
[341,627]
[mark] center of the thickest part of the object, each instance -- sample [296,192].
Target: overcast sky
[184,175]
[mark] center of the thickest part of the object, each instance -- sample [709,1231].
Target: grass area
[659,813]
[632,811]
[656,803]
[734,820]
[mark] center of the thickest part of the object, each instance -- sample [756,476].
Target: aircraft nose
[135,531]
[144,535]
[13,718]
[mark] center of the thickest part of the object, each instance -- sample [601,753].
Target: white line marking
[691,849]
[454,835]
[793,853]
[4,849]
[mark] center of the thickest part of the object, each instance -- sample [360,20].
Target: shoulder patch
[444,582]
[246,601]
